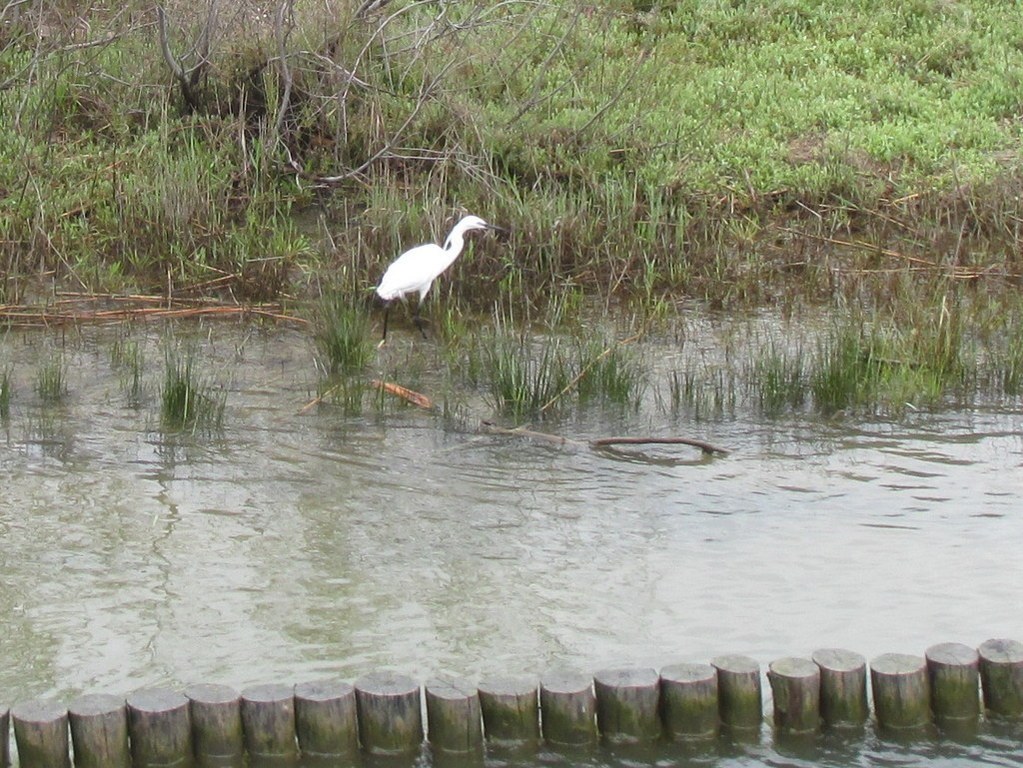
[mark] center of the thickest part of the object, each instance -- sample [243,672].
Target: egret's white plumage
[416,269]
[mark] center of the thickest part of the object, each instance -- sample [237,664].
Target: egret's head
[470,223]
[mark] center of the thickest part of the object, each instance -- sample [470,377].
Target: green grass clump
[5,393]
[187,400]
[522,378]
[341,334]
[777,377]
[128,359]
[51,379]
[607,371]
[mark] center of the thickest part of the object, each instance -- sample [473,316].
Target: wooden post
[901,696]
[390,718]
[568,709]
[511,716]
[953,672]
[41,733]
[796,689]
[689,701]
[1001,675]
[326,719]
[627,705]
[740,700]
[99,731]
[268,721]
[5,736]
[843,687]
[215,712]
[454,722]
[159,729]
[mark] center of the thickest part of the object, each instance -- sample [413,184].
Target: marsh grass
[717,147]
[189,401]
[128,359]
[341,334]
[6,386]
[51,379]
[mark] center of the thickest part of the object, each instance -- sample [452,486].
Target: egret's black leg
[420,323]
[387,310]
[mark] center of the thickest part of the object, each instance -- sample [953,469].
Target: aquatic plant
[5,393]
[187,400]
[127,357]
[777,379]
[341,333]
[51,379]
[607,370]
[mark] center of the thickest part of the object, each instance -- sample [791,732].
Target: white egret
[416,269]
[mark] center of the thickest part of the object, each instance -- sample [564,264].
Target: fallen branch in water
[416,398]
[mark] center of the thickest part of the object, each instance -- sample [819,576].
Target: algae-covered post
[627,705]
[796,688]
[568,709]
[268,721]
[740,700]
[216,716]
[325,719]
[843,687]
[159,728]
[510,707]
[99,731]
[1001,674]
[689,701]
[953,672]
[41,733]
[453,716]
[390,718]
[5,736]
[901,695]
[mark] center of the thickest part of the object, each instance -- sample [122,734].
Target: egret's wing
[413,271]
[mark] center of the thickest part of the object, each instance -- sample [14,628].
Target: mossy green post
[5,736]
[1001,675]
[953,673]
[268,721]
[628,705]
[326,719]
[796,689]
[390,718]
[215,712]
[159,728]
[99,731]
[689,701]
[568,709]
[454,722]
[843,687]
[41,733]
[511,714]
[901,693]
[740,698]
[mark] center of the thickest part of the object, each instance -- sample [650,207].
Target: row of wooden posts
[382,713]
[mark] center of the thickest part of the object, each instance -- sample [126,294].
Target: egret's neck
[452,247]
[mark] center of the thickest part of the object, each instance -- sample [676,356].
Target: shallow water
[301,544]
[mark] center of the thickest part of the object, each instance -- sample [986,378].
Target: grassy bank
[739,152]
